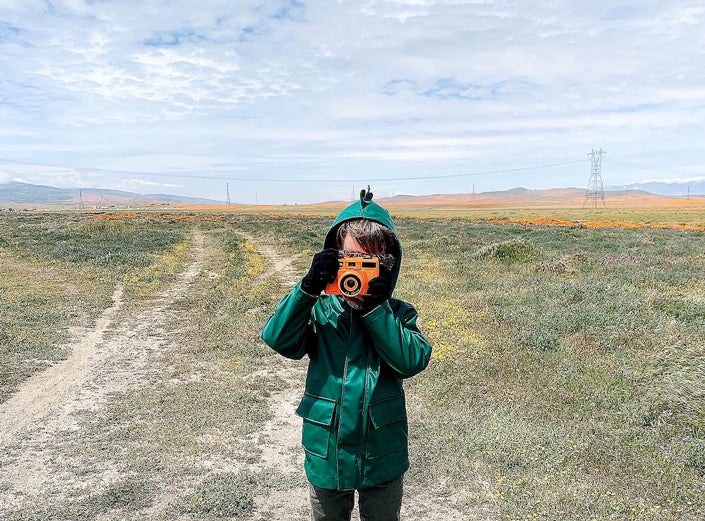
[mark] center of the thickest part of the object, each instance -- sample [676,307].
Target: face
[351,244]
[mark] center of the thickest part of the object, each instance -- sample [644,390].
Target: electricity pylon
[596,190]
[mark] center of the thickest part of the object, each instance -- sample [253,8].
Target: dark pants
[378,503]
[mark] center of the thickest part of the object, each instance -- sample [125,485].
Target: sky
[293,101]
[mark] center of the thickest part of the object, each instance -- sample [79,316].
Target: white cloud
[328,89]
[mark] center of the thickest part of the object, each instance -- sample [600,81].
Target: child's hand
[324,268]
[378,290]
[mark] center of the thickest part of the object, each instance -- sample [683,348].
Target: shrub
[695,455]
[514,250]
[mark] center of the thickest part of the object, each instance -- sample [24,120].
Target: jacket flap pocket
[390,410]
[316,409]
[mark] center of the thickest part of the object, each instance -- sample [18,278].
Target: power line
[197,175]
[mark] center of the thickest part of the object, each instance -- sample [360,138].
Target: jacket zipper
[342,396]
[365,416]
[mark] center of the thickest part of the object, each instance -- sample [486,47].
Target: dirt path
[280,438]
[56,388]
[108,358]
[111,358]
[50,390]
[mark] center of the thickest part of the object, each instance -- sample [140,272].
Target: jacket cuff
[300,294]
[377,311]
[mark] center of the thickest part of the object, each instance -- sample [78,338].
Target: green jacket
[355,432]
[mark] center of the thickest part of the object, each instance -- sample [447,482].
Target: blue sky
[295,102]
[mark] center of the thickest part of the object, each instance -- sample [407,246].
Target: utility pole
[227,194]
[596,190]
[80,200]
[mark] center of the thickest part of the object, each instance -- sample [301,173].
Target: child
[355,433]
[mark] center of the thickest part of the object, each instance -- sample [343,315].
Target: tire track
[47,391]
[279,439]
[111,357]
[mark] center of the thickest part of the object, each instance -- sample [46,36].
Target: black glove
[324,268]
[378,290]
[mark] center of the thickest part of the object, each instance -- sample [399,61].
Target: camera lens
[350,285]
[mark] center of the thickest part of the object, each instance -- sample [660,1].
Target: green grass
[655,215]
[567,381]
[109,247]
[579,393]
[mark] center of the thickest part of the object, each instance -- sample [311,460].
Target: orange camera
[354,275]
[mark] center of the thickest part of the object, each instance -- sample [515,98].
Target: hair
[372,236]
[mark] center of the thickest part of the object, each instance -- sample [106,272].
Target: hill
[16,194]
[570,197]
[23,195]
[682,188]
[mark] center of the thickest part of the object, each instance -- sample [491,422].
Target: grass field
[58,271]
[676,213]
[567,379]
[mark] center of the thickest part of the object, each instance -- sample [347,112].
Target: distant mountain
[29,196]
[664,188]
[24,194]
[520,196]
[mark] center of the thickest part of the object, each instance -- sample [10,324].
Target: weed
[128,494]
[223,495]
[125,496]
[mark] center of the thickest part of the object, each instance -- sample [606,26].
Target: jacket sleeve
[397,339]
[287,329]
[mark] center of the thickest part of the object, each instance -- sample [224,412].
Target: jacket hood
[365,208]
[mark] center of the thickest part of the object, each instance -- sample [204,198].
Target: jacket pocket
[318,413]
[388,427]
